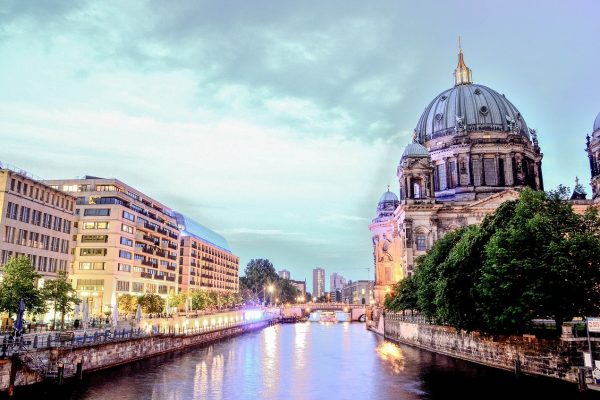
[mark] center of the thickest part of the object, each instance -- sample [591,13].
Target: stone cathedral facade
[471,151]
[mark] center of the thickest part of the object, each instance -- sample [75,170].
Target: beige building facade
[36,221]
[126,242]
[205,259]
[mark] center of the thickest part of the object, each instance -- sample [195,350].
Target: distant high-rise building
[318,282]
[336,282]
[284,274]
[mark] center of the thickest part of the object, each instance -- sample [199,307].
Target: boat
[328,316]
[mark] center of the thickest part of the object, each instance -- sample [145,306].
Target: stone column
[470,167]
[482,169]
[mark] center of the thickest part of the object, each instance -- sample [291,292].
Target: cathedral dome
[415,149]
[388,197]
[469,108]
[597,123]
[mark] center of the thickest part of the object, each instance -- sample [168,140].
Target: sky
[279,124]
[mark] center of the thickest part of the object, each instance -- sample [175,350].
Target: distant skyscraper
[284,274]
[336,282]
[318,282]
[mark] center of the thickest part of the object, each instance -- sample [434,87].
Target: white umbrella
[115,315]
[138,313]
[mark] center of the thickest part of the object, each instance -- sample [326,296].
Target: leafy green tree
[426,273]
[545,264]
[151,303]
[403,296]
[286,292]
[178,300]
[127,303]
[200,299]
[61,294]
[19,279]
[259,274]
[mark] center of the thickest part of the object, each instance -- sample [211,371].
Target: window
[9,235]
[421,242]
[36,217]
[91,265]
[47,221]
[137,287]
[162,289]
[94,238]
[122,286]
[125,254]
[150,288]
[92,252]
[489,170]
[95,225]
[24,216]
[127,242]
[90,284]
[70,188]
[11,210]
[124,267]
[64,246]
[66,226]
[57,224]
[129,216]
[441,176]
[127,228]
[96,212]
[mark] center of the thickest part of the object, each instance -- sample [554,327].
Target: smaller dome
[388,196]
[415,149]
[597,123]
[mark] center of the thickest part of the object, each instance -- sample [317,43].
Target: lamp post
[270,288]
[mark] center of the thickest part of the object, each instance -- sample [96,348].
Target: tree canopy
[533,258]
[18,282]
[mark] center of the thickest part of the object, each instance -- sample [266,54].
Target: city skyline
[208,115]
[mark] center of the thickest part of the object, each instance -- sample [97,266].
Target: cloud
[341,218]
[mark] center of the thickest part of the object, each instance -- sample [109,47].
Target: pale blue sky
[279,124]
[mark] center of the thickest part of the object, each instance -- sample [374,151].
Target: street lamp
[270,288]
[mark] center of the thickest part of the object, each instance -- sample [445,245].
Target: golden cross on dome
[388,188]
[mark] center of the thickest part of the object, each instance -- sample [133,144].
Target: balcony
[170,278]
[170,268]
[159,277]
[147,250]
[146,275]
[147,263]
[162,231]
[172,246]
[173,236]
[150,227]
[161,253]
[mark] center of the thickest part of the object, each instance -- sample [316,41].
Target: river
[304,361]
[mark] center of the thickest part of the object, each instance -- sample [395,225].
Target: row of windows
[35,239]
[96,212]
[41,263]
[93,251]
[138,287]
[37,218]
[91,266]
[94,225]
[21,187]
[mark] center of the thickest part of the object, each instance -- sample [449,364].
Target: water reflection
[309,361]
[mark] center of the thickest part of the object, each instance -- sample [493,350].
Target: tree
[258,275]
[178,300]
[545,264]
[200,299]
[127,303]
[286,292]
[403,296]
[18,283]
[61,294]
[426,273]
[151,303]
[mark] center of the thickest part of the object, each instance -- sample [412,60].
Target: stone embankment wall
[526,354]
[109,354]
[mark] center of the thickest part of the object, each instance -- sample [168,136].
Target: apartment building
[359,292]
[284,274]
[318,282]
[126,242]
[205,259]
[35,221]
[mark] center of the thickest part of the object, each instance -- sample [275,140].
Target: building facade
[318,282]
[358,292]
[336,282]
[205,259]
[471,151]
[126,242]
[284,274]
[36,221]
[301,286]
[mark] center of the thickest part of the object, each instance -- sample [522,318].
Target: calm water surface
[305,361]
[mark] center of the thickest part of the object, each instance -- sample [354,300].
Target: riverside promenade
[57,356]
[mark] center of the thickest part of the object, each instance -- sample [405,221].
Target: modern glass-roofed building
[205,259]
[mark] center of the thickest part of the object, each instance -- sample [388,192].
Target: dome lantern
[462,73]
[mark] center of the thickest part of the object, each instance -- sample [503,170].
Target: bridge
[357,311]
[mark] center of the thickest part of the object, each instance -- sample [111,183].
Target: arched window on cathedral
[421,242]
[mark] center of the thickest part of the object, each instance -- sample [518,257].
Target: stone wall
[557,358]
[110,354]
